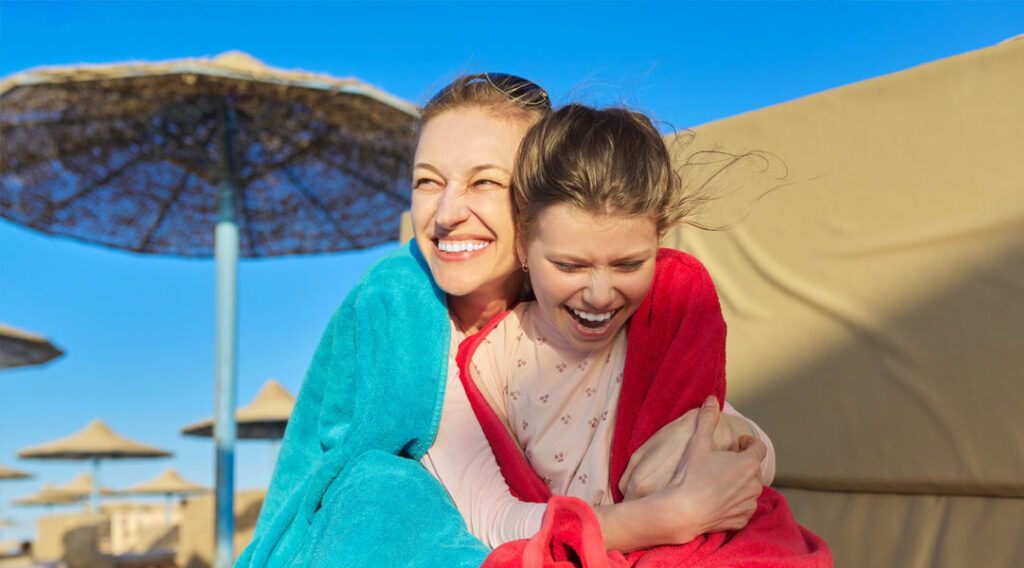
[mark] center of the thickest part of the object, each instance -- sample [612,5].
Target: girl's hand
[655,463]
[712,490]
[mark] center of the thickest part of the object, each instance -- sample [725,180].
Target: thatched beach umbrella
[265,418]
[48,495]
[20,348]
[81,486]
[200,157]
[169,483]
[95,442]
[11,473]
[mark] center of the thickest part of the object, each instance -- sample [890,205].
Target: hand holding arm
[655,463]
[710,491]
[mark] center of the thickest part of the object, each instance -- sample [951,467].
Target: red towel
[675,358]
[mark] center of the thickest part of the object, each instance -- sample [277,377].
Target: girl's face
[461,205]
[590,272]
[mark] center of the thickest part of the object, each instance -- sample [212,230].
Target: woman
[348,487]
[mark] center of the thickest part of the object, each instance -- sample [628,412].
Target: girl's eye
[631,266]
[566,267]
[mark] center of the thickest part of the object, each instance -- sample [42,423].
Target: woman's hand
[655,463]
[711,490]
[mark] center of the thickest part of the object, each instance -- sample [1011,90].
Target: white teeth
[593,317]
[460,246]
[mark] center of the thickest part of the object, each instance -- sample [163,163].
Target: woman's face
[590,272]
[461,205]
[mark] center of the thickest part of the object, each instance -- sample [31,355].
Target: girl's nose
[599,294]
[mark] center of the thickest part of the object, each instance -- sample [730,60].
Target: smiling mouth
[592,321]
[453,247]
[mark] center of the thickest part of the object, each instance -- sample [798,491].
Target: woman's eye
[631,266]
[426,183]
[487,183]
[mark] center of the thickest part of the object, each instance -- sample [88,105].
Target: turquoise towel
[348,489]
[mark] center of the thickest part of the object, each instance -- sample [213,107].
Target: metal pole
[224,431]
[94,497]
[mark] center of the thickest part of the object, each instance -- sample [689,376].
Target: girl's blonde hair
[602,161]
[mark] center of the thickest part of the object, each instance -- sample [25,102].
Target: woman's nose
[599,294]
[451,207]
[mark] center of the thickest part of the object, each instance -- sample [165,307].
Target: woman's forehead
[469,137]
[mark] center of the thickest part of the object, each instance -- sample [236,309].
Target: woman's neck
[472,312]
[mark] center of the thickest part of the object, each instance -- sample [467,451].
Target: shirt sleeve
[462,460]
[768,463]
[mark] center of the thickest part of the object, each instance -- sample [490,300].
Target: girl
[594,190]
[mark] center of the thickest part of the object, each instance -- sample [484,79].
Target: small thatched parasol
[201,157]
[81,486]
[94,442]
[11,473]
[265,418]
[169,483]
[48,495]
[20,348]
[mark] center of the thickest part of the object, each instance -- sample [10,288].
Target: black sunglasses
[512,86]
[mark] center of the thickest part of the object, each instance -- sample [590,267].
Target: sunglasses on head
[512,86]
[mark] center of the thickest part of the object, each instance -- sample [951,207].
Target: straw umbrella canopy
[20,348]
[11,473]
[95,442]
[265,418]
[81,486]
[196,157]
[169,483]
[49,494]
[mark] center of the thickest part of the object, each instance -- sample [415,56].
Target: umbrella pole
[275,450]
[94,497]
[224,431]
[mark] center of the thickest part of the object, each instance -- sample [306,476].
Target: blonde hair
[505,94]
[602,161]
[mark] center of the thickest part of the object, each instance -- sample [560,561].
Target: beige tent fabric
[876,306]
[913,531]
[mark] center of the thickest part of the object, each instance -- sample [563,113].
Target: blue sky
[138,330]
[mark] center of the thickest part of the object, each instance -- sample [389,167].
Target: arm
[462,460]
[713,490]
[652,466]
